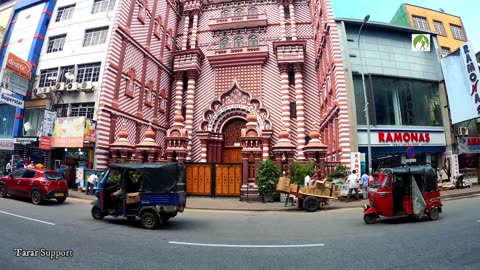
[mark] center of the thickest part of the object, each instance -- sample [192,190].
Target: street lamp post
[367,116]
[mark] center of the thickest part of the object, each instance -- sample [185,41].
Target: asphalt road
[239,240]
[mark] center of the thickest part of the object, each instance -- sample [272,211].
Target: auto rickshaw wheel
[370,218]
[149,220]
[3,191]
[97,213]
[310,204]
[433,214]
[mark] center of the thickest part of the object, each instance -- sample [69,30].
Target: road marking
[32,219]
[478,220]
[245,246]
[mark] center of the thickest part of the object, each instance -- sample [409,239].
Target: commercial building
[449,28]
[406,99]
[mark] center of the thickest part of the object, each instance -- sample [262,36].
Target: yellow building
[451,33]
[6,10]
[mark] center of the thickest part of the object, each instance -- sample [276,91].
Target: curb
[452,196]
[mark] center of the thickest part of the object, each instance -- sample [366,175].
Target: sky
[383,11]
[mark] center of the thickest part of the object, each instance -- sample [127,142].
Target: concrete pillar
[245,168]
[281,10]
[193,39]
[179,91]
[293,26]
[189,111]
[185,30]
[300,111]
[285,96]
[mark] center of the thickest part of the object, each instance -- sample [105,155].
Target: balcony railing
[238,55]
[233,22]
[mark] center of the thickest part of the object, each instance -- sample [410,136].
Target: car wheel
[310,204]
[61,199]
[370,218]
[3,191]
[36,197]
[149,220]
[97,213]
[433,214]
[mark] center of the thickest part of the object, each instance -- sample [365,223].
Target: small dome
[314,134]
[178,118]
[251,118]
[149,133]
[283,133]
[123,134]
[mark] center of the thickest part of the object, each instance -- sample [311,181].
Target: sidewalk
[234,204]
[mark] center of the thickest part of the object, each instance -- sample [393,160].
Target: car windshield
[382,180]
[53,176]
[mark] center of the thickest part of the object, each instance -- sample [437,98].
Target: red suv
[37,184]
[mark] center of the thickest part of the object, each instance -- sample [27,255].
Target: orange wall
[446,19]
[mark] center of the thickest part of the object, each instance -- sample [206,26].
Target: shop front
[394,147]
[6,152]
[72,144]
[469,157]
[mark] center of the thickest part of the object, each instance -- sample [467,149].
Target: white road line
[245,246]
[32,219]
[478,220]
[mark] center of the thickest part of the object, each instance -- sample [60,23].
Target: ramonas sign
[403,137]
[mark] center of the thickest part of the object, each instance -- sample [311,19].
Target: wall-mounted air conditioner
[72,86]
[59,87]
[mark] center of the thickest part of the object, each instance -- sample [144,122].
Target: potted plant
[267,177]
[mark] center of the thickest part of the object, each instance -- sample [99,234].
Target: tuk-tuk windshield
[382,180]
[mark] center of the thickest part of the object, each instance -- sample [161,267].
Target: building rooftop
[387,26]
[434,10]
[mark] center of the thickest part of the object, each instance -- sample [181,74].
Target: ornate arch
[234,103]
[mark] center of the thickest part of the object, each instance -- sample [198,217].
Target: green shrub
[299,170]
[340,172]
[267,177]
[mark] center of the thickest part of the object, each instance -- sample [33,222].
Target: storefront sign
[48,121]
[402,138]
[18,66]
[461,76]
[355,162]
[447,163]
[25,141]
[468,145]
[7,144]
[10,100]
[16,75]
[45,143]
[455,165]
[90,128]
[68,132]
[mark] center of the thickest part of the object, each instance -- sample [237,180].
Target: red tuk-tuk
[403,191]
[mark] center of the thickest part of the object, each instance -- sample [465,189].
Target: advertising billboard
[68,132]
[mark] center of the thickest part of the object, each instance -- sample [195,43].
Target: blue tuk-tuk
[153,192]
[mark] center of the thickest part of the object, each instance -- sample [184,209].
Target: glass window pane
[383,101]
[359,100]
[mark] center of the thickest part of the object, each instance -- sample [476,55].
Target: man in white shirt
[307,180]
[92,179]
[352,182]
[8,168]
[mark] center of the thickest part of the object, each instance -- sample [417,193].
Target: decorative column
[193,39]
[245,157]
[148,146]
[189,110]
[316,150]
[177,138]
[285,96]
[186,17]
[206,148]
[281,10]
[179,91]
[300,111]
[251,139]
[122,145]
[278,159]
[293,26]
[284,146]
[266,135]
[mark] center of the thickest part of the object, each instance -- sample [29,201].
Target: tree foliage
[298,171]
[267,177]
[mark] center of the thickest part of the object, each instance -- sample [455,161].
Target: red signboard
[45,143]
[18,66]
[404,137]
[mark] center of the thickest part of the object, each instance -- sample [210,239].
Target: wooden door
[199,179]
[232,150]
[228,179]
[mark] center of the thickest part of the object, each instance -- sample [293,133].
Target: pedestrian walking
[352,185]
[307,180]
[92,179]
[365,179]
[8,168]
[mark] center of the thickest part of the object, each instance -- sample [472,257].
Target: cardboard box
[326,192]
[327,184]
[318,185]
[293,188]
[318,192]
[283,184]
[133,198]
[303,190]
[336,193]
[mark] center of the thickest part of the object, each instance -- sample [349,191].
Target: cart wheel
[310,204]
[97,213]
[370,218]
[149,220]
[433,214]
